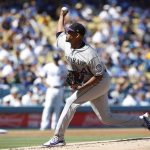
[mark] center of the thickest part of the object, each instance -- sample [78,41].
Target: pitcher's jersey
[84,60]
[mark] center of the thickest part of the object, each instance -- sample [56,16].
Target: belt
[57,87]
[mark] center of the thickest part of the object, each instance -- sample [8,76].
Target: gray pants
[97,96]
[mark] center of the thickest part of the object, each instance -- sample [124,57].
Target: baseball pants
[98,98]
[53,105]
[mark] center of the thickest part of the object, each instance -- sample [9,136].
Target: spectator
[130,99]
[30,99]
[13,99]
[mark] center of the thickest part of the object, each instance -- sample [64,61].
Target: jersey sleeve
[46,69]
[97,68]
[61,40]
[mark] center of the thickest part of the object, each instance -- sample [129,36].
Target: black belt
[57,87]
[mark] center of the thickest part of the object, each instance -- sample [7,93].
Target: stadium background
[118,29]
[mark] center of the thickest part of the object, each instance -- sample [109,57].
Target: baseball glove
[74,78]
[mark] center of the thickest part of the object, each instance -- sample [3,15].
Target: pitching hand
[64,11]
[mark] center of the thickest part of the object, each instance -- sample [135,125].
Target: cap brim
[69,29]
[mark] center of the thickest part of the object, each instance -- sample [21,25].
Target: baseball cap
[56,56]
[14,90]
[77,27]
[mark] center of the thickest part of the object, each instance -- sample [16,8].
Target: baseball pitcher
[89,79]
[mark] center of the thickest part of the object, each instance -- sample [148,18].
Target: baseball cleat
[54,142]
[146,118]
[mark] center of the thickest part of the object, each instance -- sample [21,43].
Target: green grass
[33,141]
[99,138]
[26,140]
[21,142]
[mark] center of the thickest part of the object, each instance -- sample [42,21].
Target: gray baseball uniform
[86,60]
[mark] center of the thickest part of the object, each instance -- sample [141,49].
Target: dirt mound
[126,144]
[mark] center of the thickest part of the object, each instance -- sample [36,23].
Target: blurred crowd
[119,32]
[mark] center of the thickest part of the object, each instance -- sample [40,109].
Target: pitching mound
[126,144]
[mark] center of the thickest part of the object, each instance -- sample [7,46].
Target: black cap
[77,27]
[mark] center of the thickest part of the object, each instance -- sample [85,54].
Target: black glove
[74,78]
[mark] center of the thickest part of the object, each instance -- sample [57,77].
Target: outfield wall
[30,117]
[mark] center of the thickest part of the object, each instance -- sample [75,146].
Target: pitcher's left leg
[102,110]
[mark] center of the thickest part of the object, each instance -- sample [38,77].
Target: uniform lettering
[75,61]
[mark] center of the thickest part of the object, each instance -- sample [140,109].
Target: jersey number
[84,71]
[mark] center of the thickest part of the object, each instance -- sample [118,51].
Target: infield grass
[26,138]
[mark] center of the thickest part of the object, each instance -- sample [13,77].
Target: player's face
[70,36]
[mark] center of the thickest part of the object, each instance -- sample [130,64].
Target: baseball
[65,9]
